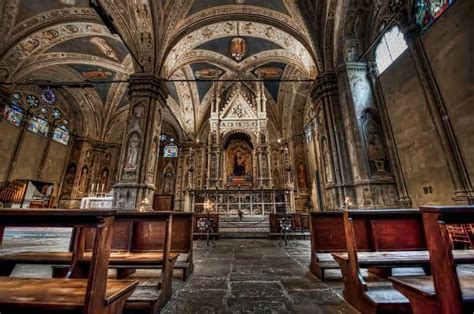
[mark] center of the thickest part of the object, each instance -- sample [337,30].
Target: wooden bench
[95,294]
[141,240]
[299,225]
[389,239]
[448,290]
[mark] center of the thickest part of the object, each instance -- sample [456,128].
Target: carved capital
[148,85]
[325,85]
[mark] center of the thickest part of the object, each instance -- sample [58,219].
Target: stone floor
[235,276]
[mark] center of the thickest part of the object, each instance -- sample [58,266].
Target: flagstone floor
[235,276]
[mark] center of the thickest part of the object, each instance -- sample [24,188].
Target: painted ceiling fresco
[65,40]
[276,5]
[100,46]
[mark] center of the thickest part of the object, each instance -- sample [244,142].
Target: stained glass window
[61,134]
[56,113]
[391,46]
[170,151]
[13,114]
[39,126]
[428,11]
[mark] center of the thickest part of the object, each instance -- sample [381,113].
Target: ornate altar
[248,201]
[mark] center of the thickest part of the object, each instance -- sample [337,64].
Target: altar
[248,201]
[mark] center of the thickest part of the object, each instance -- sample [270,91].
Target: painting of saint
[104,47]
[239,165]
[96,74]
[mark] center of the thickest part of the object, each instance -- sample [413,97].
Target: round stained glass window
[32,101]
[44,110]
[56,114]
[48,96]
[16,96]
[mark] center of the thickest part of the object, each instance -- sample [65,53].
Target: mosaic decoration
[39,126]
[428,11]
[48,96]
[14,115]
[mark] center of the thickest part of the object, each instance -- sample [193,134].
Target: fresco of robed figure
[239,165]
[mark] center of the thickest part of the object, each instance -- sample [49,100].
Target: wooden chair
[95,294]
[448,291]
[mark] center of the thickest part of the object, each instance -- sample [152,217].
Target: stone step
[240,235]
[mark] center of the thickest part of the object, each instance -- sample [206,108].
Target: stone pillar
[325,93]
[403,196]
[140,149]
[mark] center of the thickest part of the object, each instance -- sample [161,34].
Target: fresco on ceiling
[205,71]
[254,46]
[93,73]
[125,99]
[276,5]
[172,91]
[29,8]
[271,71]
[99,46]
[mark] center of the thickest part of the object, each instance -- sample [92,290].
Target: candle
[92,188]
[103,187]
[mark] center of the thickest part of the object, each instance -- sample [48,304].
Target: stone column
[325,93]
[403,196]
[139,156]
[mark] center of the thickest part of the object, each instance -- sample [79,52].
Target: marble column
[140,148]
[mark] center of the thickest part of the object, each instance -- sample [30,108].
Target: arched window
[391,46]
[169,148]
[43,114]
[428,11]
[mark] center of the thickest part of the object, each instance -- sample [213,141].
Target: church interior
[236,156]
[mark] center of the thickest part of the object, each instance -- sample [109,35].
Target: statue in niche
[326,160]
[153,155]
[168,180]
[375,147]
[69,178]
[104,178]
[84,180]
[132,153]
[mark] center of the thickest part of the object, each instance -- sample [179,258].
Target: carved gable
[238,108]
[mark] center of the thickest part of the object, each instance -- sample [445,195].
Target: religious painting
[269,73]
[239,163]
[96,74]
[208,73]
[104,47]
[238,48]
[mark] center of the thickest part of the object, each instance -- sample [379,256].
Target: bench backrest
[446,281]
[327,232]
[100,220]
[146,232]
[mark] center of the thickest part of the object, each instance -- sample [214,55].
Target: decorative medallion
[48,96]
[56,113]
[32,101]
[238,48]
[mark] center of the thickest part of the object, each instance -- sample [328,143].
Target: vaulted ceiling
[184,41]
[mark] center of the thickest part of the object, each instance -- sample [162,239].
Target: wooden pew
[95,294]
[326,235]
[390,238]
[182,242]
[141,240]
[448,290]
[299,225]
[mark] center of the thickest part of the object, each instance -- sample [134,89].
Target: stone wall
[424,159]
